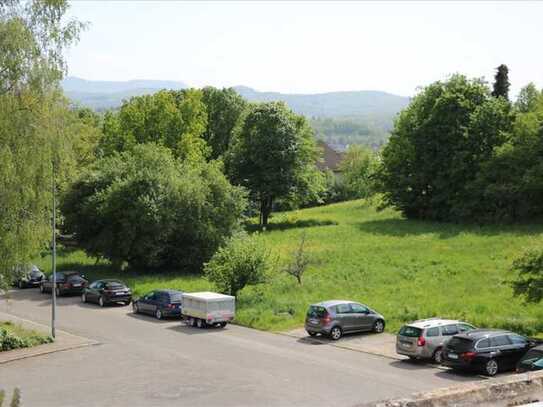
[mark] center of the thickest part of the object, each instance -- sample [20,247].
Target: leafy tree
[165,118]
[242,261]
[529,270]
[148,209]
[528,98]
[437,146]
[501,82]
[34,122]
[358,170]
[224,109]
[273,155]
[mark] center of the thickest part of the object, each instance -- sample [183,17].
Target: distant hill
[341,118]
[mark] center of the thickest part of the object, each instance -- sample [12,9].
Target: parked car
[425,338]
[105,292]
[532,360]
[160,303]
[208,309]
[28,276]
[68,282]
[486,350]
[334,318]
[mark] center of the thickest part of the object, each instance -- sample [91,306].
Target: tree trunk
[265,210]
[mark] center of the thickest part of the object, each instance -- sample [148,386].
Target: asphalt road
[141,361]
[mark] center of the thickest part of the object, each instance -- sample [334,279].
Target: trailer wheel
[191,321]
[200,323]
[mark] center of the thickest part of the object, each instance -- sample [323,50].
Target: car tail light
[468,356]
[66,285]
[421,341]
[170,306]
[326,319]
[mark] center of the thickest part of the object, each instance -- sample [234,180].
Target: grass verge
[14,336]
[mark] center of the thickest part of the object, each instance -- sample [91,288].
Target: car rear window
[410,331]
[176,297]
[74,279]
[316,311]
[432,332]
[114,285]
[460,344]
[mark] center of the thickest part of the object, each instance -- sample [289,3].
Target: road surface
[141,361]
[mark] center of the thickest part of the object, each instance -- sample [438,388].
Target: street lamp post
[54,258]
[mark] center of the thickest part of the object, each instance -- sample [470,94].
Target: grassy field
[404,269]
[19,337]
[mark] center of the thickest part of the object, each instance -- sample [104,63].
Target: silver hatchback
[425,338]
[336,317]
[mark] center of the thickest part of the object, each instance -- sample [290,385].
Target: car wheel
[20,284]
[135,309]
[101,301]
[437,357]
[312,333]
[58,292]
[83,297]
[222,324]
[336,333]
[128,302]
[42,290]
[379,326]
[491,367]
[158,314]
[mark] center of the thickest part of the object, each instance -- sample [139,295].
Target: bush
[148,209]
[244,260]
[529,268]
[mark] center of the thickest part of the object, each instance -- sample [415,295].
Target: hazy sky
[308,46]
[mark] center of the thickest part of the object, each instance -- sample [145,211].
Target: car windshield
[410,331]
[113,285]
[460,344]
[316,311]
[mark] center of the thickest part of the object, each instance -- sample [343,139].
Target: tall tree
[224,109]
[437,146]
[34,119]
[273,155]
[501,82]
[528,99]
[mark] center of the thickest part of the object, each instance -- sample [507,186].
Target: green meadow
[404,269]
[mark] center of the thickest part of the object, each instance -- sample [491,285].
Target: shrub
[148,209]
[300,260]
[244,260]
[529,283]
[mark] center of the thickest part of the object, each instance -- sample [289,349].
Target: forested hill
[340,118]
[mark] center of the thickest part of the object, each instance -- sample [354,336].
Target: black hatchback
[486,351]
[160,303]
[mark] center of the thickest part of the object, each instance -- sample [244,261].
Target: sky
[308,46]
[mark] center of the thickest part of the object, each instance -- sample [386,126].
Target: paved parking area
[141,361]
[383,344]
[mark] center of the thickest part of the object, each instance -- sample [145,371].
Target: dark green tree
[148,209]
[224,109]
[437,146]
[273,155]
[501,82]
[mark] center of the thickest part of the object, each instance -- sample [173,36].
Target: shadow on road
[151,318]
[190,330]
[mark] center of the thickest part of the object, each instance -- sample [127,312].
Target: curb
[63,342]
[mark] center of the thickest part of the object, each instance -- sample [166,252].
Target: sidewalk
[63,341]
[383,344]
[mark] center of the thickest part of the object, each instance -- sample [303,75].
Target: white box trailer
[207,308]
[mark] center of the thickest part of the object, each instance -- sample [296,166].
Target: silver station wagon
[425,338]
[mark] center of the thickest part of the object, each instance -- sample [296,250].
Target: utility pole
[54,257]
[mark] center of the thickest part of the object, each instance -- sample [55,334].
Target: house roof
[330,158]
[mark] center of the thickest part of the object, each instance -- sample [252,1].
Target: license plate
[77,285]
[453,356]
[314,321]
[406,345]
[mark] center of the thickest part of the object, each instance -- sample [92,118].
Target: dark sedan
[105,292]
[486,351]
[68,282]
[31,277]
[532,360]
[160,303]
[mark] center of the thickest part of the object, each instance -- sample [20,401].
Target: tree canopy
[273,155]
